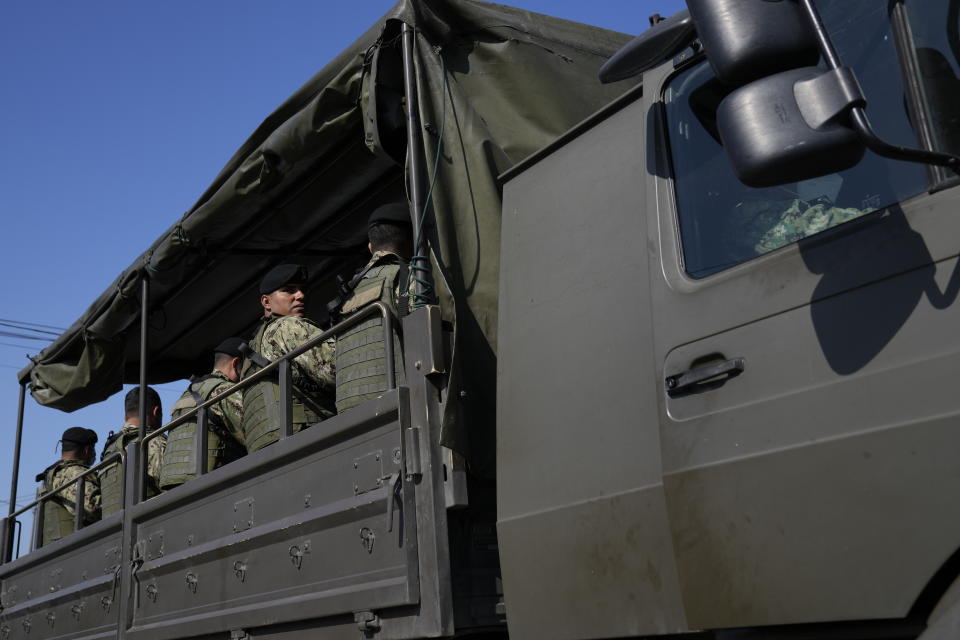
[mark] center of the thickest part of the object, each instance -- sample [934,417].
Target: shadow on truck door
[852,329]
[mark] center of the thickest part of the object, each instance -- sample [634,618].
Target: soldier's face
[288,300]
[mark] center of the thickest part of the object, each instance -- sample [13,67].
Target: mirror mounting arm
[858,116]
[828,96]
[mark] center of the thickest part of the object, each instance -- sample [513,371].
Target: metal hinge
[412,444]
[367,621]
[139,551]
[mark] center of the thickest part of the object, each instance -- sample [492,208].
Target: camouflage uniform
[111,477]
[311,372]
[802,220]
[228,411]
[60,511]
[224,435]
[759,227]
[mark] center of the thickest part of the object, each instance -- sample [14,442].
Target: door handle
[706,377]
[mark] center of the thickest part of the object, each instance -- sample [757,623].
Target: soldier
[282,329]
[111,478]
[360,362]
[223,419]
[59,513]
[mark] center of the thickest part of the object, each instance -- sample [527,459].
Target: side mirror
[787,120]
[749,39]
[768,48]
[662,41]
[779,129]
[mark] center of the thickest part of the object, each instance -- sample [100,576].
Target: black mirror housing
[749,39]
[660,42]
[769,142]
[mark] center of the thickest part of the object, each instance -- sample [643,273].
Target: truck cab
[730,407]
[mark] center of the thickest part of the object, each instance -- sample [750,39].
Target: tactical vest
[261,401]
[179,457]
[361,357]
[57,521]
[111,478]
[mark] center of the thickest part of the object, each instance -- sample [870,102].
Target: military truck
[639,397]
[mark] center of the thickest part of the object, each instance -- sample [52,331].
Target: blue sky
[116,115]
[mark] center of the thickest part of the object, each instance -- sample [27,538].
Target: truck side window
[934,27]
[723,222]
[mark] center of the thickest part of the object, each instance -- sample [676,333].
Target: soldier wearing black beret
[77,453]
[385,279]
[283,328]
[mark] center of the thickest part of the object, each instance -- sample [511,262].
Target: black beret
[283,274]
[231,347]
[393,213]
[79,435]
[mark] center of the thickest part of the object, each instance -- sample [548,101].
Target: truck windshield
[724,223]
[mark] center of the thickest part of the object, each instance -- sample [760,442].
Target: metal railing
[282,367]
[79,507]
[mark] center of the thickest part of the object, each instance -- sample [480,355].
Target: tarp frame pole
[6,553]
[414,152]
[16,451]
[140,459]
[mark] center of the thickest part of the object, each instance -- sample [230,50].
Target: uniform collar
[71,463]
[129,428]
[216,373]
[379,255]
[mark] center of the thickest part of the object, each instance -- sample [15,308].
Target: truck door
[806,339]
[582,526]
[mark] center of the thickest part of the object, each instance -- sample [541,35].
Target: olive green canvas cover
[496,83]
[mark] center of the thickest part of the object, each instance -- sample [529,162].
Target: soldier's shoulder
[212,381]
[112,437]
[116,438]
[70,469]
[380,258]
[377,256]
[219,379]
[42,474]
[294,323]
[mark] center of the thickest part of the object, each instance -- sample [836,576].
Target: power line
[22,336]
[33,324]
[19,346]
[26,328]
